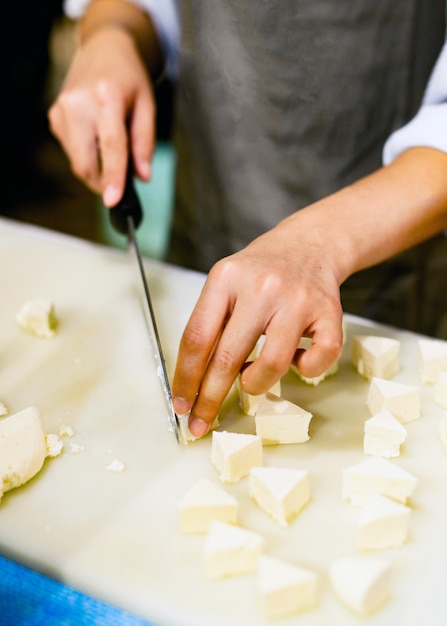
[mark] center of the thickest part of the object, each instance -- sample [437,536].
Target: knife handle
[128,206]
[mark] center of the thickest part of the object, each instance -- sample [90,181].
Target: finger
[327,344]
[281,338]
[198,341]
[77,135]
[142,135]
[112,143]
[236,343]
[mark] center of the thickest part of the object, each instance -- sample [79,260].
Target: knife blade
[125,217]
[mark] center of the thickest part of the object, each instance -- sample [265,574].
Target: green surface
[157,200]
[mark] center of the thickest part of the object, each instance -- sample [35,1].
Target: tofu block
[38,318]
[285,588]
[234,454]
[203,504]
[375,356]
[377,475]
[402,401]
[230,551]
[362,583]
[384,435]
[249,403]
[440,389]
[432,358]
[280,492]
[443,431]
[280,421]
[22,448]
[383,523]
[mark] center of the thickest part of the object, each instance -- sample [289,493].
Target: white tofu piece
[3,409]
[116,466]
[432,358]
[230,551]
[285,588]
[249,403]
[403,401]
[54,444]
[384,435]
[383,523]
[234,454]
[375,356]
[203,504]
[440,389]
[280,492]
[38,318]
[378,475]
[362,583]
[280,421]
[443,431]
[22,448]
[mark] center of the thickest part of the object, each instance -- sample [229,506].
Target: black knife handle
[128,206]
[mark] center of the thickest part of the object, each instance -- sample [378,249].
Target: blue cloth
[28,598]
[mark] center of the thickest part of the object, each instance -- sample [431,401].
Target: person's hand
[104,112]
[281,286]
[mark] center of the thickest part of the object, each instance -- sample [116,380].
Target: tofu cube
[204,504]
[234,454]
[279,421]
[383,523]
[384,435]
[280,492]
[375,356]
[285,589]
[402,401]
[230,551]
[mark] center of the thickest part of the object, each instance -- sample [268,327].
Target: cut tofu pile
[377,487]
[24,446]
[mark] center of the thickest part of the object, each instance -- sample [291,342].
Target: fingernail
[145,170]
[198,427]
[181,406]
[111,196]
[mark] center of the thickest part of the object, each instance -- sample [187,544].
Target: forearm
[129,18]
[381,215]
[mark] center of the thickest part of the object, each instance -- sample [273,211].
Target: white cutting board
[114,535]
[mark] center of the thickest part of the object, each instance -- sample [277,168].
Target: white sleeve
[164,16]
[429,126]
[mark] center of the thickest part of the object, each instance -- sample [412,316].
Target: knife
[125,217]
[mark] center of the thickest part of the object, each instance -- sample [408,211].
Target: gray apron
[282,102]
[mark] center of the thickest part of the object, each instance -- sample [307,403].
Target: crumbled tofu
[402,401]
[432,358]
[440,389]
[361,583]
[375,356]
[203,504]
[383,523]
[384,435]
[22,448]
[231,550]
[54,444]
[234,454]
[279,421]
[248,402]
[115,466]
[3,409]
[285,588]
[38,318]
[377,475]
[75,448]
[280,492]
[66,431]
